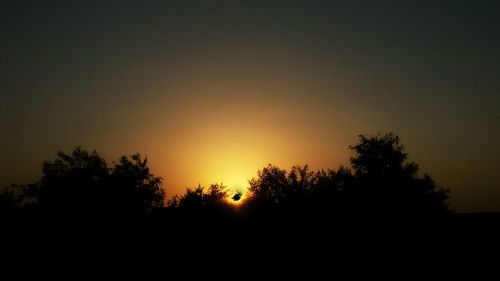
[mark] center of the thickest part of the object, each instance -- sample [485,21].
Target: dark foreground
[174,246]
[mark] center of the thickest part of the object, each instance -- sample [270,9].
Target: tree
[270,185]
[275,186]
[198,198]
[330,187]
[81,182]
[134,186]
[10,201]
[379,156]
[75,181]
[386,180]
[382,180]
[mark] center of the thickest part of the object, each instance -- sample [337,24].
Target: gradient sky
[211,91]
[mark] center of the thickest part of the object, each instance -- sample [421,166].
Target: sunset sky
[212,91]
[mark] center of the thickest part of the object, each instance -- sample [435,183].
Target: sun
[236,198]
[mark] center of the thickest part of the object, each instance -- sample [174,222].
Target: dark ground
[172,246]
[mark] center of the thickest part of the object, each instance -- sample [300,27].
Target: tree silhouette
[380,199]
[303,218]
[74,181]
[381,156]
[269,186]
[81,182]
[386,180]
[198,198]
[10,201]
[134,187]
[300,185]
[382,180]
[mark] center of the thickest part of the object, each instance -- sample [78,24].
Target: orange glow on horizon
[227,141]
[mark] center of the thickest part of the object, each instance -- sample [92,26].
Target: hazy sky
[211,91]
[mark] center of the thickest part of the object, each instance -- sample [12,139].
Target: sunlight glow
[213,143]
[230,156]
[236,198]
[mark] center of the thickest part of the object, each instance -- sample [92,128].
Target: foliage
[82,182]
[382,180]
[386,180]
[134,184]
[10,201]
[197,198]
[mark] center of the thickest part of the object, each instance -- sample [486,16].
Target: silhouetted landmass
[380,217]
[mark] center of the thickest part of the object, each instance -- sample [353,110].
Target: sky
[212,91]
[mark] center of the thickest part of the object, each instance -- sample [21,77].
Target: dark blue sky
[204,86]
